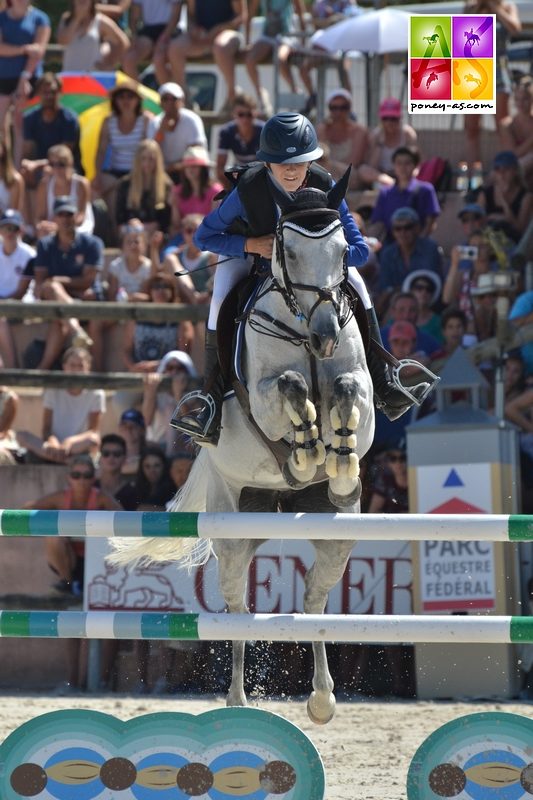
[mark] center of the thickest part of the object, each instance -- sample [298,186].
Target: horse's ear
[337,193]
[282,198]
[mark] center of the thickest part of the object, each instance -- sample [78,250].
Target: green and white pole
[356,527]
[266,627]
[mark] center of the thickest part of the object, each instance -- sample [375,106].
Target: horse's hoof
[293,482]
[321,712]
[346,500]
[236,700]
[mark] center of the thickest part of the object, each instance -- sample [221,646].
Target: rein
[276,329]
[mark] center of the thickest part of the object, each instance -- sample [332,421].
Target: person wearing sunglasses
[187,257]
[346,138]
[408,252]
[239,138]
[406,191]
[391,133]
[288,148]
[60,180]
[426,287]
[176,128]
[15,255]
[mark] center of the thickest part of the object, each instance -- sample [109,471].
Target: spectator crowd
[122,229]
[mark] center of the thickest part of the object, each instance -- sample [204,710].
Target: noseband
[325,294]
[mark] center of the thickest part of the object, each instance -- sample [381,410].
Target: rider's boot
[388,397]
[197,422]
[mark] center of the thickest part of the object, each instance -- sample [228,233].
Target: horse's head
[309,262]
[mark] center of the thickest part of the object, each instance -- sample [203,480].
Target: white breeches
[230,271]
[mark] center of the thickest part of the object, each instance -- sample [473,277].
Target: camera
[467,252]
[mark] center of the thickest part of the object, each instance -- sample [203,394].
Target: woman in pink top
[197,191]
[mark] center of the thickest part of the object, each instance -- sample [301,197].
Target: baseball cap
[173,89]
[390,107]
[64,204]
[405,214]
[472,208]
[402,330]
[133,415]
[505,159]
[12,217]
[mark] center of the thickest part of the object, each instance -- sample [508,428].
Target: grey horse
[305,369]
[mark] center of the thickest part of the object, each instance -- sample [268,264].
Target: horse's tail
[190,552]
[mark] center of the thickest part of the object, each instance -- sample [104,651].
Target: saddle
[230,329]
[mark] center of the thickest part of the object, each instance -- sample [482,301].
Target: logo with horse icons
[452,58]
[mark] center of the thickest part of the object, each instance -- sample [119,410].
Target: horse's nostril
[316,342]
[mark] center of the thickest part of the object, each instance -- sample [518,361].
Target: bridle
[332,293]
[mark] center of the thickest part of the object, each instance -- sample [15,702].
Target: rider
[288,148]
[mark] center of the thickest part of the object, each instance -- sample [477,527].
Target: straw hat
[196,156]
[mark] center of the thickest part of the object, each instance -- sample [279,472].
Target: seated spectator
[276,33]
[522,314]
[159,405]
[175,129]
[404,307]
[71,417]
[212,29]
[145,343]
[347,140]
[333,10]
[66,557]
[126,277]
[384,141]
[240,137]
[14,257]
[454,324]
[133,430]
[408,253]
[152,26]
[484,299]
[65,269]
[47,125]
[390,484]
[24,35]
[518,411]
[60,180]
[11,182]
[463,275]
[507,202]
[91,40]
[198,264]
[196,191]
[426,286]
[153,487]
[473,219]
[120,136]
[9,446]
[145,192]
[111,478]
[406,191]
[517,131]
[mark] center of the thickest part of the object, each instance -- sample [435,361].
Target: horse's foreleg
[329,566]
[309,450]
[234,558]
[342,463]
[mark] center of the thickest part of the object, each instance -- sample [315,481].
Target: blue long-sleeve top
[212,234]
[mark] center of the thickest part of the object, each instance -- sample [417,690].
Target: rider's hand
[262,245]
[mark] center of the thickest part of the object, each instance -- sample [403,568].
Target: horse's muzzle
[323,343]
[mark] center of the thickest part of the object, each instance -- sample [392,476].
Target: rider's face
[290,176]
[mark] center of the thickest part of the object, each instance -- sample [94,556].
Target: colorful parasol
[87,95]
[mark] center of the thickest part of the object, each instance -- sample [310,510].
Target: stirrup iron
[207,400]
[407,390]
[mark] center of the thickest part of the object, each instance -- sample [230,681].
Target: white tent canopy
[382,31]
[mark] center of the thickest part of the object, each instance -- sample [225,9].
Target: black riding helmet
[288,138]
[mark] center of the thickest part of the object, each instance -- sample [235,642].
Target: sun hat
[390,107]
[505,159]
[196,156]
[173,89]
[182,358]
[340,92]
[125,86]
[427,275]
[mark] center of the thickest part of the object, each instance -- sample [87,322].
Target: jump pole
[265,627]
[356,527]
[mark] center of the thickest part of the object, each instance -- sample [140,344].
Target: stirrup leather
[181,425]
[407,390]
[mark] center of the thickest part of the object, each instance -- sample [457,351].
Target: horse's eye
[290,254]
